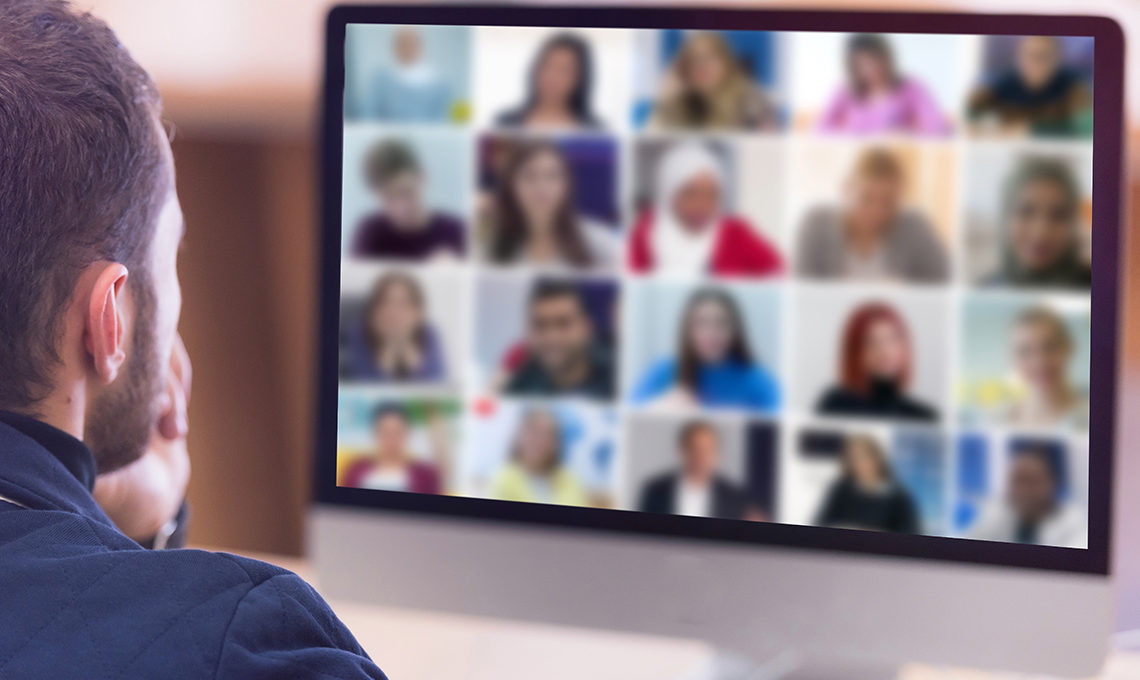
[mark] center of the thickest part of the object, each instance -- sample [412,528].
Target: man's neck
[1058,398]
[574,374]
[696,480]
[63,409]
[863,240]
[1039,516]
[417,223]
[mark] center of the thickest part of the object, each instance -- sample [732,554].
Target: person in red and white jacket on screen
[688,232]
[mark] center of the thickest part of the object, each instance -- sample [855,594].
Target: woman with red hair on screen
[875,362]
[688,232]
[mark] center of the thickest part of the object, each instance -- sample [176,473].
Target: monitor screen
[719,278]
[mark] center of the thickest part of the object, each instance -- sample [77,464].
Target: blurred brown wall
[248,273]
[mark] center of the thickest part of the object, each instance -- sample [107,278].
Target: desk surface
[419,645]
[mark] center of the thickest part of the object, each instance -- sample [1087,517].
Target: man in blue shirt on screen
[93,380]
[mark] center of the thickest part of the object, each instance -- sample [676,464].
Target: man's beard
[120,421]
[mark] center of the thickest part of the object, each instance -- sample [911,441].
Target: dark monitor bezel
[1106,281]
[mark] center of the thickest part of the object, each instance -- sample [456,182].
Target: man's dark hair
[691,429]
[1050,453]
[387,408]
[551,289]
[387,160]
[81,174]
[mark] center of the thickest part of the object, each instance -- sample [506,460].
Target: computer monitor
[791,331]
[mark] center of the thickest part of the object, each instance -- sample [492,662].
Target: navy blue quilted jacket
[78,599]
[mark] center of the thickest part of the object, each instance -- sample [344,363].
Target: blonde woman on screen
[871,235]
[707,87]
[536,472]
[1042,350]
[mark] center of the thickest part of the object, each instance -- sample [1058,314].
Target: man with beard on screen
[94,381]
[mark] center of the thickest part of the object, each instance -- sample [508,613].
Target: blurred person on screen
[708,87]
[688,232]
[1038,95]
[714,366]
[866,494]
[536,471]
[409,89]
[871,236]
[875,364]
[1032,509]
[94,385]
[392,466]
[877,98]
[696,487]
[559,87]
[535,218]
[563,354]
[395,341]
[404,227]
[1040,229]
[1042,348]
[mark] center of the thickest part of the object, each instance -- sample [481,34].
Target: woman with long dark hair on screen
[395,341]
[866,495]
[877,98]
[875,362]
[1040,232]
[536,471]
[688,231]
[559,87]
[708,87]
[534,216]
[714,366]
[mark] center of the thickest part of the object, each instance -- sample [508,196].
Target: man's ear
[105,324]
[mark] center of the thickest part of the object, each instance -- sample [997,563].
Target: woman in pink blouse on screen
[876,98]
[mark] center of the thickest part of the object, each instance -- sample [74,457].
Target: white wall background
[762,187]
[500,321]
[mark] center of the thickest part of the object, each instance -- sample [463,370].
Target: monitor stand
[722,664]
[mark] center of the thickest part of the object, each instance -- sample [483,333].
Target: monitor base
[722,664]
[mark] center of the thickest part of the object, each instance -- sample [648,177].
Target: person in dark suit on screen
[696,488]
